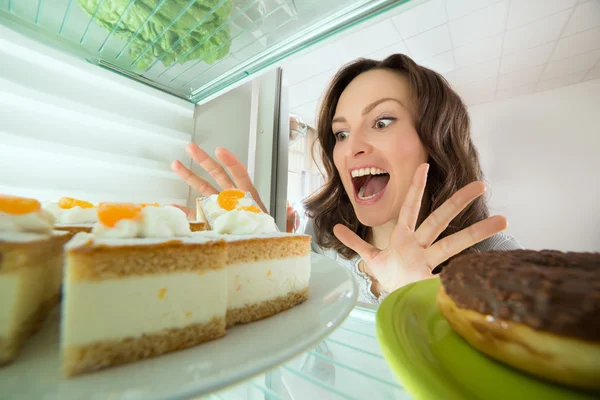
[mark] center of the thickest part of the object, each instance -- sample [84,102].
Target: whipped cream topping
[237,221]
[241,222]
[234,237]
[75,215]
[209,209]
[34,222]
[154,222]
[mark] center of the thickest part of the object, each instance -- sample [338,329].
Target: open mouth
[369,183]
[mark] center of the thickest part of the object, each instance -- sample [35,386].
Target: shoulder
[499,241]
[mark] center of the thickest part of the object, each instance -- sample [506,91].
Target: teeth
[367,171]
[361,192]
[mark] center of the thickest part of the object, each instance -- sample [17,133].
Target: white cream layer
[84,239]
[84,225]
[21,293]
[34,222]
[21,237]
[233,238]
[128,307]
[251,283]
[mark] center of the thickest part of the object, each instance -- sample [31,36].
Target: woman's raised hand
[412,253]
[239,174]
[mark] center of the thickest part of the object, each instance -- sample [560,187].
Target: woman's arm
[499,241]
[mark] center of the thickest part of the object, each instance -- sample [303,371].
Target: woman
[403,191]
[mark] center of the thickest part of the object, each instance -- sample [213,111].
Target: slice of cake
[139,286]
[268,272]
[235,212]
[72,215]
[31,258]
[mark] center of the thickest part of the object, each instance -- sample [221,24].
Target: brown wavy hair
[442,123]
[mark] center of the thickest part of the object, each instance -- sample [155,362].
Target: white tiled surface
[593,74]
[489,50]
[430,43]
[535,56]
[480,24]
[536,33]
[523,12]
[421,19]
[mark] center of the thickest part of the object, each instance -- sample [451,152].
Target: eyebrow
[369,108]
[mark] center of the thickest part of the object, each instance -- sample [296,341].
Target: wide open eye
[383,123]
[339,136]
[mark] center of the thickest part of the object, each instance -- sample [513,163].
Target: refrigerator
[98,97]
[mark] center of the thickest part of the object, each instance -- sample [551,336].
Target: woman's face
[377,147]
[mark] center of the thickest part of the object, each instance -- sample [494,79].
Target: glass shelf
[346,365]
[189,48]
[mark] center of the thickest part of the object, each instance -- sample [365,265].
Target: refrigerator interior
[190,61]
[71,126]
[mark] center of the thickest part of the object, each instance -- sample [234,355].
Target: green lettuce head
[196,34]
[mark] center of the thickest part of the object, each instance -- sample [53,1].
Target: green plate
[433,362]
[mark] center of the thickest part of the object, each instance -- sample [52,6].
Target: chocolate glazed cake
[536,311]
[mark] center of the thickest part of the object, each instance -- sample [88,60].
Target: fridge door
[252,121]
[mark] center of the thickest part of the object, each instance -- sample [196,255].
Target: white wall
[541,155]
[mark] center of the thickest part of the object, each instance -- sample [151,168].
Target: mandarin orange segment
[251,208]
[69,202]
[18,205]
[228,199]
[155,204]
[111,213]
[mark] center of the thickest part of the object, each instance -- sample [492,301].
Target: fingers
[205,188]
[239,173]
[409,213]
[213,168]
[439,220]
[457,242]
[353,241]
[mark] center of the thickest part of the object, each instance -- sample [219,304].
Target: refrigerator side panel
[279,193]
[272,145]
[222,122]
[267,114]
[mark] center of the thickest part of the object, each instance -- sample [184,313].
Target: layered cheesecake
[31,258]
[72,215]
[267,271]
[266,274]
[140,285]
